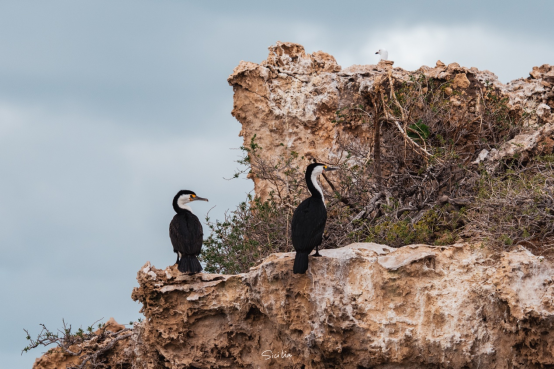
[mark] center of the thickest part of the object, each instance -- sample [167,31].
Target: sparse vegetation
[254,230]
[516,206]
[89,344]
[411,181]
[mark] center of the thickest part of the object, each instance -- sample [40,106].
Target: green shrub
[249,233]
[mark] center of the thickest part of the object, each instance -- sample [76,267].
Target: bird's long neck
[313,186]
[180,210]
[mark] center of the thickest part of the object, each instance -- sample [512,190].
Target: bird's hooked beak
[197,198]
[329,169]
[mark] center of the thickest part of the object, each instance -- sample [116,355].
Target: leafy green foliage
[418,131]
[252,231]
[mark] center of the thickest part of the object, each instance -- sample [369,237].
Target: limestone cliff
[364,305]
[290,100]
[361,306]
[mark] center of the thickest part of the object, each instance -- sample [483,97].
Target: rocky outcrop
[112,346]
[537,142]
[361,306]
[289,101]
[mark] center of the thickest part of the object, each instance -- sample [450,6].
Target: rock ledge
[363,305]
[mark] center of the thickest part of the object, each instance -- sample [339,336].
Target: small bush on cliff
[516,206]
[88,345]
[413,181]
[255,228]
[252,231]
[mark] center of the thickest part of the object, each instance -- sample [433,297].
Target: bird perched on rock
[384,54]
[186,233]
[308,220]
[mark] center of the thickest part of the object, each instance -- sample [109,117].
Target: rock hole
[254,313]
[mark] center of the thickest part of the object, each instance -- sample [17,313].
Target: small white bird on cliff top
[384,54]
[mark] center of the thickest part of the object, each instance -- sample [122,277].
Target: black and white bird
[186,233]
[308,220]
[384,54]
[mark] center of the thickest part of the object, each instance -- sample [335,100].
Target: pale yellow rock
[113,326]
[361,305]
[461,81]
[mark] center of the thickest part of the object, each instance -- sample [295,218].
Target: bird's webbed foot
[317,254]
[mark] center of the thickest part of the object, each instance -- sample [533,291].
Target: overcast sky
[108,108]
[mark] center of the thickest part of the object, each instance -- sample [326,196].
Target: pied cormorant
[186,233]
[308,220]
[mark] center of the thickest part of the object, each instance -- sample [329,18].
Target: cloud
[10,120]
[165,166]
[509,54]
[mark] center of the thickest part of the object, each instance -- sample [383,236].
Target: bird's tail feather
[189,264]
[300,263]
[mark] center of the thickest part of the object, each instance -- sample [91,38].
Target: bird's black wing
[308,224]
[185,231]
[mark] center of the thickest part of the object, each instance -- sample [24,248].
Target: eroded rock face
[289,101]
[363,305]
[123,348]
